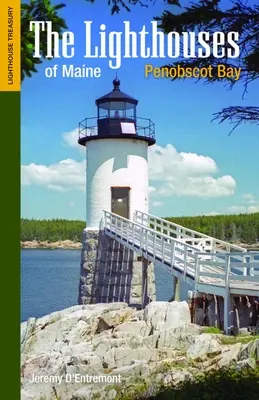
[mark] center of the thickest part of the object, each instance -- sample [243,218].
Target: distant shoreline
[61,244]
[70,245]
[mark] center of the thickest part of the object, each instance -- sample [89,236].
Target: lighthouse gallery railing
[89,126]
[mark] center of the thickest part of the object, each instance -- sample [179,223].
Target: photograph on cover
[139,199]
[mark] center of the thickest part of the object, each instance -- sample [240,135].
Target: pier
[208,265]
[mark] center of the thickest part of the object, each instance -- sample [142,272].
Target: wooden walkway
[207,264]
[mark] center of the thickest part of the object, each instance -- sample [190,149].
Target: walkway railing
[205,242]
[230,267]
[157,246]
[234,269]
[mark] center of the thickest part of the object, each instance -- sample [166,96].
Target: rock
[177,377]
[248,363]
[205,345]
[25,396]
[117,317]
[120,357]
[27,328]
[178,338]
[178,313]
[62,244]
[146,348]
[163,315]
[138,328]
[250,349]
[230,355]
[83,394]
[154,313]
[136,369]
[137,315]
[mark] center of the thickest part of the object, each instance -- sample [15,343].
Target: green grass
[134,391]
[241,338]
[238,339]
[211,329]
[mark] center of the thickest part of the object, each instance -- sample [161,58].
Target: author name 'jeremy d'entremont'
[221,71]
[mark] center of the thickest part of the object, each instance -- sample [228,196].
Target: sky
[195,167]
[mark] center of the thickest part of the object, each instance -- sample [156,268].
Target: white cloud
[172,173]
[249,198]
[251,205]
[187,174]
[64,176]
[243,209]
[212,213]
[70,139]
[157,204]
[166,163]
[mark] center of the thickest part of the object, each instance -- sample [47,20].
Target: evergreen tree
[243,227]
[220,231]
[212,16]
[233,232]
[249,234]
[239,233]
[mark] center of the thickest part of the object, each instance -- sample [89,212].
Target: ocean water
[50,279]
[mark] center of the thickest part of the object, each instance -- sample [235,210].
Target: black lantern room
[116,118]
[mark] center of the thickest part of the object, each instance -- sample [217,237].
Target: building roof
[116,95]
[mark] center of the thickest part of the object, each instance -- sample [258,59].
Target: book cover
[139,225]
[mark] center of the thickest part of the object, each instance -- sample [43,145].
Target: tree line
[231,228]
[242,228]
[51,230]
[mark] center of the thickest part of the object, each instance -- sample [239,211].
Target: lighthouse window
[117,114]
[120,201]
[128,127]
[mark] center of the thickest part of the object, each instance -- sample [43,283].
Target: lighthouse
[116,142]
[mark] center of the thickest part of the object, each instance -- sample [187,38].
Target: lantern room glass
[117,109]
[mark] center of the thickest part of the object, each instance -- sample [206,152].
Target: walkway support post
[228,313]
[145,263]
[228,307]
[177,289]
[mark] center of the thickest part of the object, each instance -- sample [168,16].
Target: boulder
[204,345]
[161,315]
[139,328]
[158,345]
[248,363]
[250,350]
[179,338]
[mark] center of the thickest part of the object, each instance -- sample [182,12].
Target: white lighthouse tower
[116,144]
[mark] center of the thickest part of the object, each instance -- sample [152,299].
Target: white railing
[205,242]
[231,267]
[222,268]
[158,246]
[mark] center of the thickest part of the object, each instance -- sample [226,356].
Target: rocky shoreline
[125,350]
[70,245]
[61,244]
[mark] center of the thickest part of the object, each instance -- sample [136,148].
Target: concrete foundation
[112,273]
